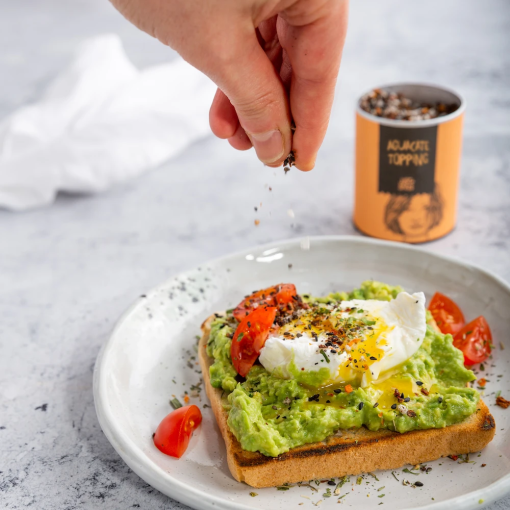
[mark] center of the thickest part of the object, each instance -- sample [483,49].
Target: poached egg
[357,341]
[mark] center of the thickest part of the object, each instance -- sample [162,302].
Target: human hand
[274,62]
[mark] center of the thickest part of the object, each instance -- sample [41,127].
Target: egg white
[398,328]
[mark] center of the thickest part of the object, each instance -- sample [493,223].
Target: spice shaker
[408,149]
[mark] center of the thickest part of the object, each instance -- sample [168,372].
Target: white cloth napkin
[100,122]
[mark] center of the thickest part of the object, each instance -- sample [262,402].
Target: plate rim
[134,457]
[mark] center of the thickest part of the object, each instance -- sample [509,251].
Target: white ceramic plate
[150,357]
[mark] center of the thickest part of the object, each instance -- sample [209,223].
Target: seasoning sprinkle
[289,162]
[395,105]
[175,403]
[325,355]
[360,406]
[502,402]
[340,484]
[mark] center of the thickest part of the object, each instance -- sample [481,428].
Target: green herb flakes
[175,403]
[325,355]
[341,484]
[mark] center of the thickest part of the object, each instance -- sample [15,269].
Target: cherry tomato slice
[280,294]
[448,316]
[474,340]
[173,433]
[250,336]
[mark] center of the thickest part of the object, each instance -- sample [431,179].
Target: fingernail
[269,145]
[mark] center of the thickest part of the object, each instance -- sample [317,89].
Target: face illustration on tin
[413,215]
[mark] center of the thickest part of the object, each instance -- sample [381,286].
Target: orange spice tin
[407,171]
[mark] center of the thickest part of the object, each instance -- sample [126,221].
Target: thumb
[256,91]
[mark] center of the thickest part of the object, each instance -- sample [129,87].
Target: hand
[274,61]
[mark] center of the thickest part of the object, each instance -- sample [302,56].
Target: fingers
[240,141]
[222,116]
[314,50]
[254,88]
[225,124]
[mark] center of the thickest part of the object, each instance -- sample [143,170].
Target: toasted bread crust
[352,452]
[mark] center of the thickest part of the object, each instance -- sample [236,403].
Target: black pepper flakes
[394,406]
[360,406]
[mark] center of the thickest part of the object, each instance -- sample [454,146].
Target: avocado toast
[321,428]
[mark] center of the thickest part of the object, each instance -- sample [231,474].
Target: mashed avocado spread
[272,415]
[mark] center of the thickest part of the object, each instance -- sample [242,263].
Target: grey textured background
[68,271]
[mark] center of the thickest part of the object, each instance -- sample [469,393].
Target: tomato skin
[448,316]
[173,433]
[280,294]
[249,338]
[474,340]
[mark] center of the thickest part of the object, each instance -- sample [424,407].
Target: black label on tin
[407,159]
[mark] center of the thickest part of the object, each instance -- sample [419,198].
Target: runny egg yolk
[407,387]
[337,348]
[384,393]
[307,323]
[363,352]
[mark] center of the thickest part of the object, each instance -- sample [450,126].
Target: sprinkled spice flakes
[289,162]
[344,333]
[502,402]
[394,105]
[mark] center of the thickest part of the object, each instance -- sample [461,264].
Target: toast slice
[350,453]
